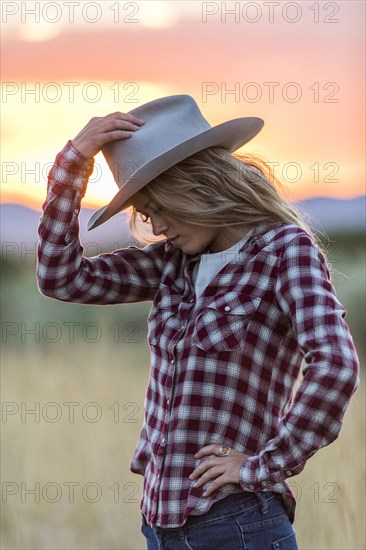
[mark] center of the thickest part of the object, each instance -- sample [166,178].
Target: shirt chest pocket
[222,324]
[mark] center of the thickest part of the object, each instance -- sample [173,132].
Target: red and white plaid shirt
[223,365]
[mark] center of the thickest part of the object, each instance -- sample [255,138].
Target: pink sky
[170,50]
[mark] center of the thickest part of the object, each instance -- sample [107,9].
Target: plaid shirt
[223,365]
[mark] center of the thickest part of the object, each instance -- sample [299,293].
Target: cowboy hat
[174,129]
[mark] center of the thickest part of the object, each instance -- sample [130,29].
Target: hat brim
[230,135]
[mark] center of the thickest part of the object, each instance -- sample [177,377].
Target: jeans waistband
[232,504]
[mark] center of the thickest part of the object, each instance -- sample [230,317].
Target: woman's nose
[159,226]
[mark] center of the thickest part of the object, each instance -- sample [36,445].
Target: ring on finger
[224,450]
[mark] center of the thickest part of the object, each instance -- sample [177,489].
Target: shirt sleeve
[330,368]
[124,276]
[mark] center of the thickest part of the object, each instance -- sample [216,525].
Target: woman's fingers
[124,116]
[118,124]
[208,470]
[101,130]
[116,119]
[207,450]
[220,469]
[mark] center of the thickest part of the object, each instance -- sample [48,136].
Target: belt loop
[263,502]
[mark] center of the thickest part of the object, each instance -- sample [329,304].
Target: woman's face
[192,239]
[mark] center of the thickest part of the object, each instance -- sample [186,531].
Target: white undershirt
[210,264]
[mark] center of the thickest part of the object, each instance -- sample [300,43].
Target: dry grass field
[44,455]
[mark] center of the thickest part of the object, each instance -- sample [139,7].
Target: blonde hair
[219,189]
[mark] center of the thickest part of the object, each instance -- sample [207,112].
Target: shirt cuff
[72,169]
[256,474]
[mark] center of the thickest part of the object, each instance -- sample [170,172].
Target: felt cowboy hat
[174,129]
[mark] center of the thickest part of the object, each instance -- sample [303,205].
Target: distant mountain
[19,225]
[331,215]
[19,231]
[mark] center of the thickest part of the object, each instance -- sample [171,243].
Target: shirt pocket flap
[222,324]
[235,304]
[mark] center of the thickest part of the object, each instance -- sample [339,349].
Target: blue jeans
[243,521]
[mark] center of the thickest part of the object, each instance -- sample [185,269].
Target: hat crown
[169,122]
[174,130]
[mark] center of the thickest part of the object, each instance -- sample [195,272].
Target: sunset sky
[298,65]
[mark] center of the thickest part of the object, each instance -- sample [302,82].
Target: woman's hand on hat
[221,469]
[101,130]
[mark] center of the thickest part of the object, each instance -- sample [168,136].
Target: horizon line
[35,206]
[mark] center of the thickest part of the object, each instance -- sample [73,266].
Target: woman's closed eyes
[145,217]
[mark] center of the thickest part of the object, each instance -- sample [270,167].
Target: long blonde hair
[219,189]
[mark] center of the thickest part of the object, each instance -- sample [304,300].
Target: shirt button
[76,211]
[68,239]
[163,440]
[288,473]
[191,300]
[251,486]
[227,308]
[264,483]
[168,402]
[172,361]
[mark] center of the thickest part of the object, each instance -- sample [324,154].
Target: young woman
[242,304]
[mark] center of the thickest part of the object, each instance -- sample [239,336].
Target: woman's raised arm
[124,276]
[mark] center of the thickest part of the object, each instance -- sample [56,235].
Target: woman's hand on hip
[101,130]
[222,469]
